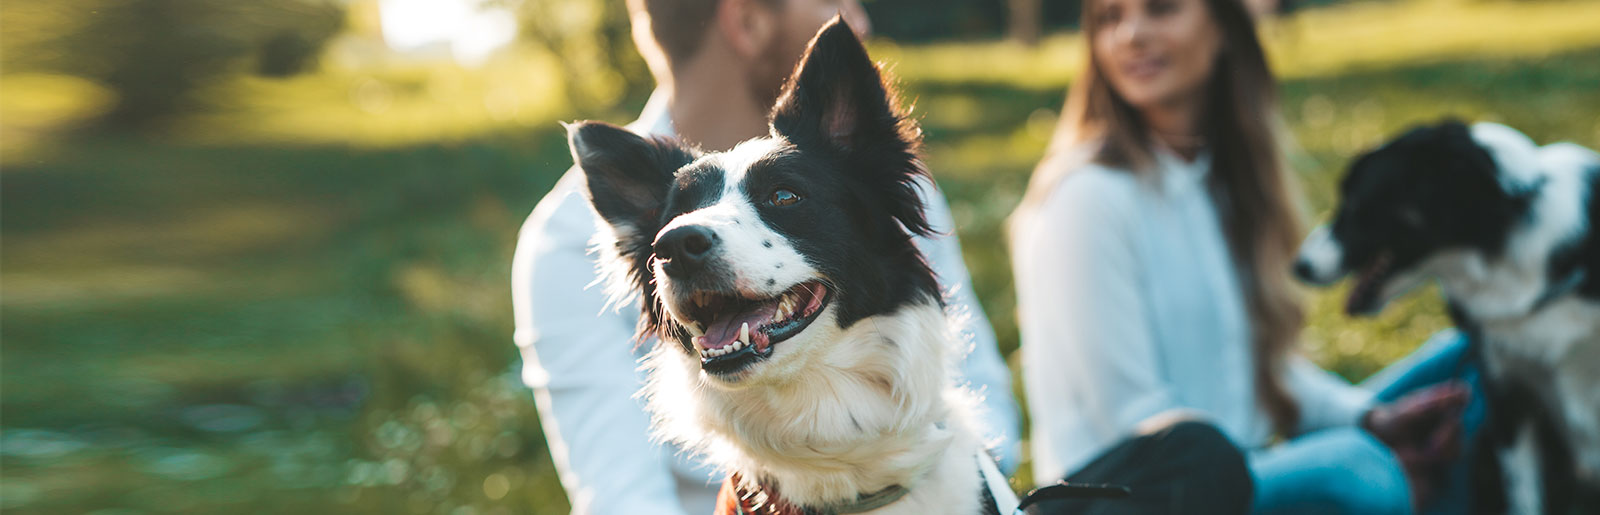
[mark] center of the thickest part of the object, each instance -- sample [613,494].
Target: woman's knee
[1374,469]
[1344,471]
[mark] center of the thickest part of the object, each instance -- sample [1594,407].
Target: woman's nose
[1133,29]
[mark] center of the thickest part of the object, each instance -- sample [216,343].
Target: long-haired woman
[1152,254]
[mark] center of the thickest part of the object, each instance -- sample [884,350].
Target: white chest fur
[1556,352]
[865,408]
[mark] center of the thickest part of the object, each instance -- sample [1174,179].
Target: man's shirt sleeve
[579,358]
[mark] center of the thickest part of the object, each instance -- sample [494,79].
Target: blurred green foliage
[284,289]
[154,54]
[931,20]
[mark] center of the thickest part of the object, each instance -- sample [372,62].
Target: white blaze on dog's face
[753,259]
[752,256]
[1321,258]
[1439,202]
[724,273]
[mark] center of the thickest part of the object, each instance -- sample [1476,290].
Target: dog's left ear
[837,102]
[627,175]
[626,179]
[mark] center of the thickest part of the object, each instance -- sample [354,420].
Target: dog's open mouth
[1365,296]
[733,332]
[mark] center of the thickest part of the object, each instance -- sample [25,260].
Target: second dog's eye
[782,197]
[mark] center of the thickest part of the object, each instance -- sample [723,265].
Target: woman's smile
[1144,69]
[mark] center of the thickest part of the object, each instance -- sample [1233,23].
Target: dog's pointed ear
[838,102]
[626,179]
[627,176]
[836,95]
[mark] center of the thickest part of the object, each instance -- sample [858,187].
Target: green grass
[296,315]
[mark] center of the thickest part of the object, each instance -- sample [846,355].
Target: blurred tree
[293,48]
[594,45]
[924,20]
[156,55]
[1025,21]
[928,20]
[153,54]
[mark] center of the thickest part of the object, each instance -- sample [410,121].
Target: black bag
[1187,468]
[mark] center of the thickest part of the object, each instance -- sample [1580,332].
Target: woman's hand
[1424,430]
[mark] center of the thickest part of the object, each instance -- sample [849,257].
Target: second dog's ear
[627,175]
[836,96]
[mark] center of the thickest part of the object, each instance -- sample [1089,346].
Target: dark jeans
[1346,471]
[1188,467]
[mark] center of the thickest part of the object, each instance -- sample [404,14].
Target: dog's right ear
[627,175]
[838,102]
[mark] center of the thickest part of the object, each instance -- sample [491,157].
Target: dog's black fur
[848,152]
[1442,189]
[1429,189]
[1513,408]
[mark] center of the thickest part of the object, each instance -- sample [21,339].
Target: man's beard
[772,69]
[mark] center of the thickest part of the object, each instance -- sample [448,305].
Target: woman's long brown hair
[1248,180]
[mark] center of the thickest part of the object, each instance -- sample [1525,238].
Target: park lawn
[203,321]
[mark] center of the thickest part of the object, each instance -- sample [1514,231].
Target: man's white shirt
[580,358]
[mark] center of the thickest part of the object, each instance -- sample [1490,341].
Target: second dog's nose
[684,250]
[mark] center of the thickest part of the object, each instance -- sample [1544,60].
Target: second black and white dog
[1511,233]
[803,343]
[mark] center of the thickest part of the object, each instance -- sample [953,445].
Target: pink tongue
[723,331]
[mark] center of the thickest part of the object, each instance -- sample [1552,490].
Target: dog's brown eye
[783,197]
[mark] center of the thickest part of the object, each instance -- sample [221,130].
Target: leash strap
[997,497]
[872,501]
[1065,490]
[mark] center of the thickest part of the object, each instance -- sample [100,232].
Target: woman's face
[1155,53]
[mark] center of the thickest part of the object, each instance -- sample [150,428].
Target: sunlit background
[255,255]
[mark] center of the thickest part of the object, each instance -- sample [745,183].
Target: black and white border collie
[803,343]
[1508,230]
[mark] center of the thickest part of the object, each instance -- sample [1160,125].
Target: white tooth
[694,329]
[736,346]
[744,333]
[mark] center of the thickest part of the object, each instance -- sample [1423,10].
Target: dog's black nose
[684,250]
